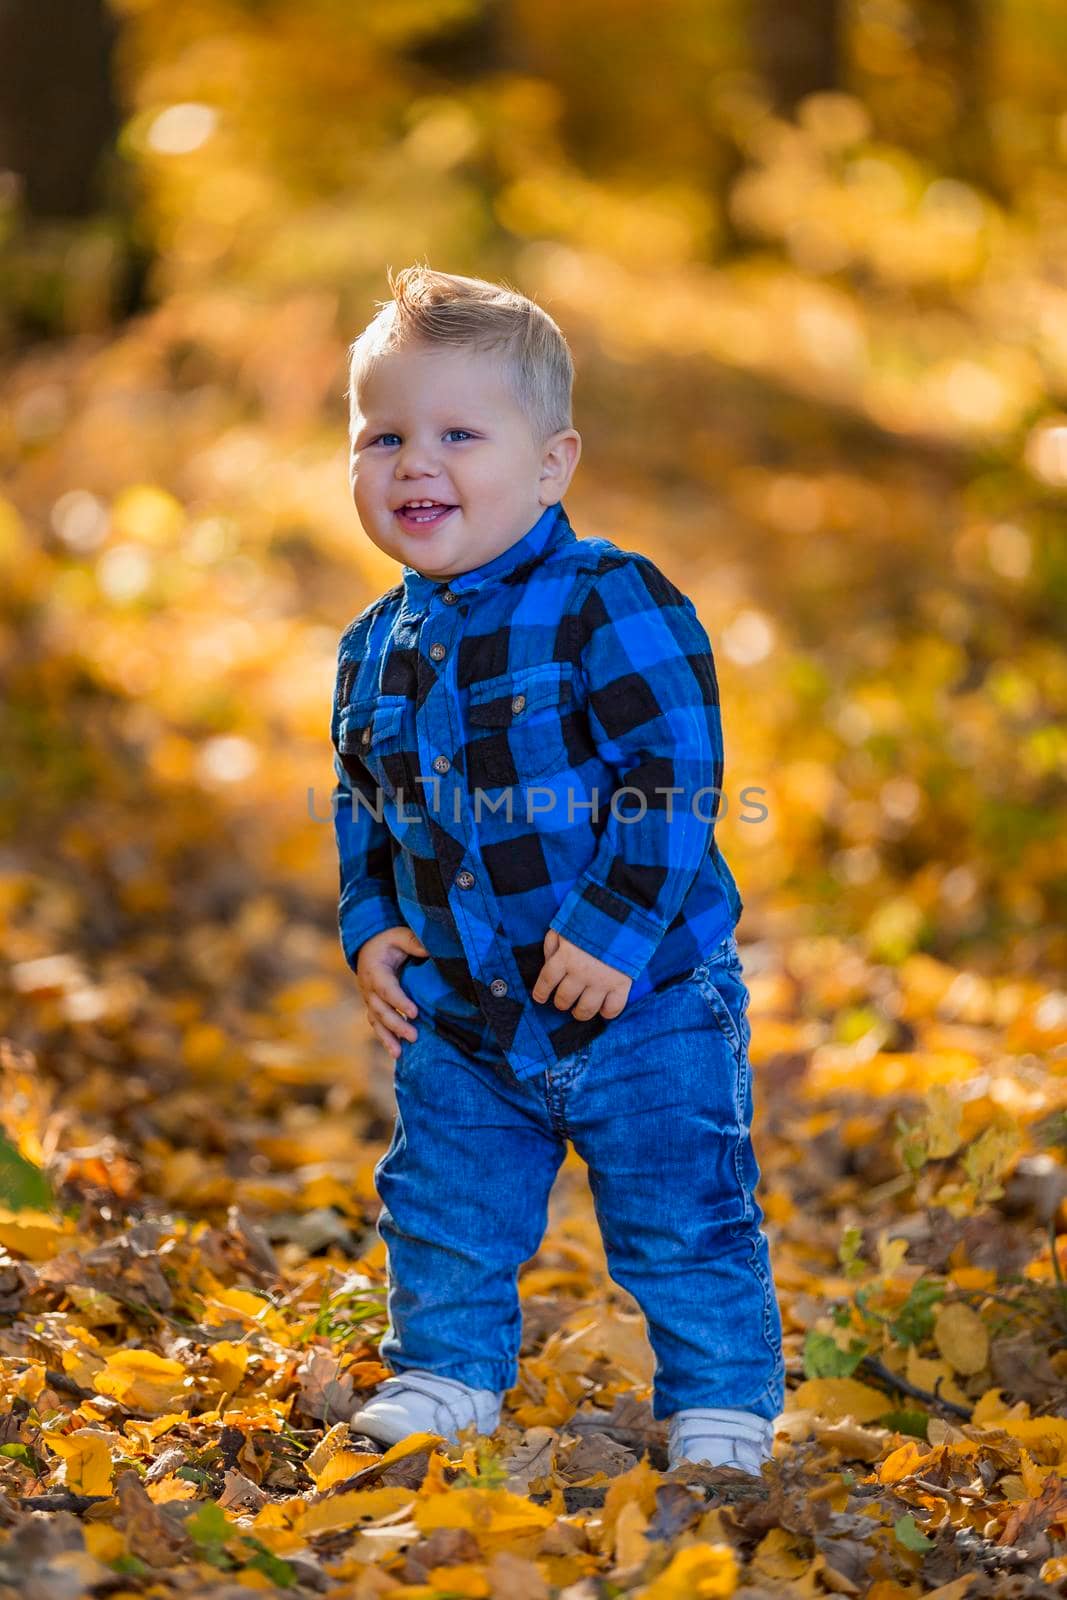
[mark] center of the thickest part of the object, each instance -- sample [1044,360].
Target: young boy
[529,757]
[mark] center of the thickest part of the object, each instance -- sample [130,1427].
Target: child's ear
[561,454]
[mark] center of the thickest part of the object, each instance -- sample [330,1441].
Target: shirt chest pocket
[518,724]
[373,730]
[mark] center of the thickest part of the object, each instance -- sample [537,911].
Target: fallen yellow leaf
[223,1303]
[631,1544]
[411,1446]
[345,1464]
[891,1253]
[348,1510]
[463,1578]
[328,1446]
[34,1234]
[926,1372]
[838,1398]
[498,1519]
[992,1406]
[782,1556]
[143,1381]
[103,1541]
[902,1462]
[168,1489]
[1047,1433]
[230,1360]
[699,1572]
[86,1458]
[962,1338]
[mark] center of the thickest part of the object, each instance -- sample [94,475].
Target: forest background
[810,259]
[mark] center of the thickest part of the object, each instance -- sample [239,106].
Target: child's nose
[415,461]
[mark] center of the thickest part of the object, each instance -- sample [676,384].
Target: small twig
[1021,1304]
[877,1370]
[61,1502]
[947,1494]
[886,1191]
[60,1382]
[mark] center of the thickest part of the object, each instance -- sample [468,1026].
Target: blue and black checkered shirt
[481,727]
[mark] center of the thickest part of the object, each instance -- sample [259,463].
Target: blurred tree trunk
[469,47]
[796,46]
[955,43]
[58,115]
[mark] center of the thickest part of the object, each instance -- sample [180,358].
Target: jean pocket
[727,996]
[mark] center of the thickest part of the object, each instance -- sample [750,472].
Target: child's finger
[550,974]
[569,993]
[387,1015]
[589,1005]
[382,981]
[382,1032]
[393,995]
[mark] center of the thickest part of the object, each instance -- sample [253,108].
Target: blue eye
[384,438]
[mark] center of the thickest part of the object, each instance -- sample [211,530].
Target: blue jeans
[659,1107]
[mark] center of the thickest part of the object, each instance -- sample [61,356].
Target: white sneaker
[722,1438]
[418,1401]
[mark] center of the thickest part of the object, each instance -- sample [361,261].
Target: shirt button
[449,598]
[365,738]
[437,652]
[518,702]
[464,879]
[498,988]
[441,763]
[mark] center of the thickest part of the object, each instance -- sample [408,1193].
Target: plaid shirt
[481,726]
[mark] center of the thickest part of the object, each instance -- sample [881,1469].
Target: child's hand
[376,968]
[597,987]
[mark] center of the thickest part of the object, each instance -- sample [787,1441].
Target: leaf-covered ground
[186,1331]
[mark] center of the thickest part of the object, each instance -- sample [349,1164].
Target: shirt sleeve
[653,709]
[367,902]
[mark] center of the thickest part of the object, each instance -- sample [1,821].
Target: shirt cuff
[605,925]
[361,921]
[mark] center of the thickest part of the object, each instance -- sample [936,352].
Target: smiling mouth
[418,515]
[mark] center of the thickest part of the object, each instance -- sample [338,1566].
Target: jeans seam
[562,1078]
[769,1300]
[557,1111]
[744,1132]
[769,1392]
[717,1005]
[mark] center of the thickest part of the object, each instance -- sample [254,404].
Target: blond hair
[442,308]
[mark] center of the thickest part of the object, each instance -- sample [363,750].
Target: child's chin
[432,563]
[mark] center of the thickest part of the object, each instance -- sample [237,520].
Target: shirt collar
[551,525]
